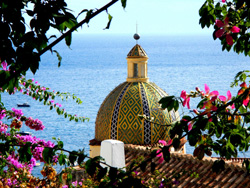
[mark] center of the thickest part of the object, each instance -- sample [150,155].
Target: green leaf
[176,105]
[102,172]
[25,153]
[60,144]
[73,157]
[167,102]
[113,173]
[143,166]
[176,143]
[62,159]
[81,158]
[34,63]
[153,165]
[90,167]
[166,153]
[48,155]
[68,39]
[109,22]
[84,10]
[58,57]
[124,3]
[192,138]
[218,166]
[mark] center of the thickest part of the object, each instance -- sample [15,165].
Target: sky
[152,16]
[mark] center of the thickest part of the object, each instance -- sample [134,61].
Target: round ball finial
[136,36]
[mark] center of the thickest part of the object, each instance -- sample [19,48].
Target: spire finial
[136,35]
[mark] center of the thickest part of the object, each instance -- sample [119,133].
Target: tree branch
[76,26]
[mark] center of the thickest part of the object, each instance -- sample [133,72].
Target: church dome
[119,115]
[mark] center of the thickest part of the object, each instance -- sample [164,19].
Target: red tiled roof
[234,174]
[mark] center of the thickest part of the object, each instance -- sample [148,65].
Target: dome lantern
[137,63]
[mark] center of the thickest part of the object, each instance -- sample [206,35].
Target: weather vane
[136,35]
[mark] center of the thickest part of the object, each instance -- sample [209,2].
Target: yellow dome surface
[118,115]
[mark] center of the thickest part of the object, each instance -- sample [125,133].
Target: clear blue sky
[153,17]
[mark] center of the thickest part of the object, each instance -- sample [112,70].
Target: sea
[96,63]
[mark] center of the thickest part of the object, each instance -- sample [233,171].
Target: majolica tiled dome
[118,115]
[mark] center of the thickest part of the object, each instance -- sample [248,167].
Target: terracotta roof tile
[195,173]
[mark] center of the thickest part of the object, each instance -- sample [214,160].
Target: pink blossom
[17,113]
[159,152]
[34,124]
[210,94]
[55,159]
[246,101]
[9,183]
[43,88]
[226,30]
[190,125]
[163,142]
[74,183]
[2,114]
[4,65]
[223,1]
[186,99]
[3,127]
[226,99]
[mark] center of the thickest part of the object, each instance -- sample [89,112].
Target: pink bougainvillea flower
[2,114]
[186,99]
[226,29]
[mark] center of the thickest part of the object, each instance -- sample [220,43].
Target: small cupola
[137,63]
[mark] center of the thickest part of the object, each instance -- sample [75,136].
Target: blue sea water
[96,64]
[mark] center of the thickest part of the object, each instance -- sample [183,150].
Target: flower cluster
[38,150]
[3,127]
[16,124]
[17,113]
[34,124]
